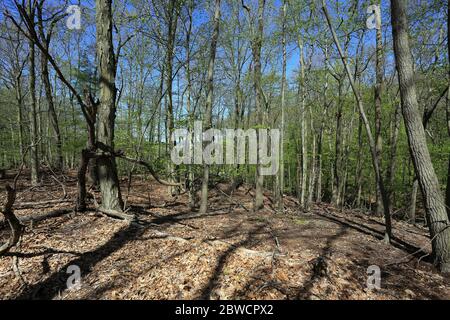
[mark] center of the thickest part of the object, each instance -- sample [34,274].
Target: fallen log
[33,205]
[39,217]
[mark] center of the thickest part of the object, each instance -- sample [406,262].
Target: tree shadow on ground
[56,283]
[176,217]
[208,288]
[395,241]
[319,265]
[319,270]
[113,285]
[52,286]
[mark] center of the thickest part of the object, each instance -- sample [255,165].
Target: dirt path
[229,253]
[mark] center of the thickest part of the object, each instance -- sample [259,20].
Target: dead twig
[232,200]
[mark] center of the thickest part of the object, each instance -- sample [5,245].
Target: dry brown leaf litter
[227,254]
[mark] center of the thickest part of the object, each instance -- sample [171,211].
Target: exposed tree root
[116,214]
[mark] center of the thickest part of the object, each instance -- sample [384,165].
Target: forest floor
[229,253]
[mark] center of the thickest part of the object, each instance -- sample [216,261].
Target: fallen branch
[39,217]
[33,205]
[165,235]
[232,200]
[62,186]
[53,176]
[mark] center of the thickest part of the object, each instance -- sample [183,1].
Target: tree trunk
[172,23]
[390,175]
[338,149]
[378,111]
[20,107]
[312,175]
[107,170]
[359,165]
[412,208]
[375,160]
[48,89]
[191,113]
[52,111]
[320,136]
[280,186]
[256,50]
[209,102]
[319,165]
[33,120]
[433,200]
[447,194]
[303,132]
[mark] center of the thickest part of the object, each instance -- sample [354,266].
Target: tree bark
[303,132]
[447,193]
[390,175]
[259,101]
[209,101]
[312,174]
[412,208]
[191,113]
[107,170]
[33,112]
[20,102]
[48,89]
[437,219]
[172,22]
[90,112]
[378,112]
[280,186]
[337,167]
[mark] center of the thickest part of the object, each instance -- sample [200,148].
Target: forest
[225,149]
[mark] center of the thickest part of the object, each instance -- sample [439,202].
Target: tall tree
[33,111]
[107,66]
[189,109]
[18,64]
[283,106]
[172,13]
[303,130]
[434,204]
[257,41]
[378,103]
[209,101]
[362,113]
[46,38]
